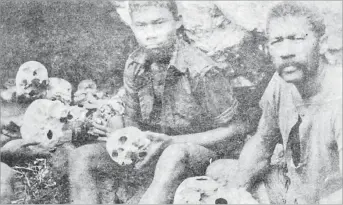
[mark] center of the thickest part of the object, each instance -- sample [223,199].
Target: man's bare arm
[256,154]
[216,139]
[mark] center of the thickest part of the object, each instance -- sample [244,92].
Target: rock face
[216,26]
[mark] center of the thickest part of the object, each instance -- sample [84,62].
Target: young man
[302,109]
[177,94]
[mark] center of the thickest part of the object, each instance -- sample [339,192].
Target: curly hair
[292,8]
[168,4]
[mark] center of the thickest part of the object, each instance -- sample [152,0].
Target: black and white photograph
[170,102]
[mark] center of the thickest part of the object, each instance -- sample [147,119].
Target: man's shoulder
[194,60]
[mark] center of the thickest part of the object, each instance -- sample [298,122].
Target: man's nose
[150,33]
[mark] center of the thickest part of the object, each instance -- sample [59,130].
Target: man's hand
[113,124]
[158,143]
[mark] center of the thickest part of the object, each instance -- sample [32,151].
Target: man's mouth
[289,69]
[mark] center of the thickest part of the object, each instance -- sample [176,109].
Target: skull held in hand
[43,125]
[86,91]
[59,89]
[127,145]
[31,81]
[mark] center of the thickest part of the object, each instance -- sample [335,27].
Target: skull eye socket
[63,119]
[201,179]
[122,139]
[34,73]
[220,201]
[114,153]
[32,93]
[49,135]
[69,117]
[142,154]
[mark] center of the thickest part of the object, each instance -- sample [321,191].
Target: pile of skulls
[49,116]
[204,190]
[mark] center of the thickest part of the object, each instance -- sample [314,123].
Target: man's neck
[312,86]
[163,56]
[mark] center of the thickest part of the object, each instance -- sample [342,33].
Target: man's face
[294,48]
[154,28]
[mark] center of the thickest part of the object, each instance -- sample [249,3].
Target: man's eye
[276,41]
[158,22]
[140,25]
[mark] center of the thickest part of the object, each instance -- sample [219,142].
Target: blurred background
[80,39]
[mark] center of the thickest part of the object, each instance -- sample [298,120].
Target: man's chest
[174,103]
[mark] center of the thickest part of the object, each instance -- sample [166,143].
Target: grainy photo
[170,102]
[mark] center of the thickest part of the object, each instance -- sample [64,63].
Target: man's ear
[179,21]
[323,44]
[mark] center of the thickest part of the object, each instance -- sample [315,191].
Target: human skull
[42,123]
[59,89]
[31,80]
[195,190]
[204,190]
[107,110]
[86,91]
[226,195]
[8,92]
[128,145]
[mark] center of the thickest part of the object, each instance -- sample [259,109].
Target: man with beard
[177,94]
[302,109]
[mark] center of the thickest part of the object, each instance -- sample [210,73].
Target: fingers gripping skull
[42,123]
[31,80]
[128,145]
[107,110]
[59,89]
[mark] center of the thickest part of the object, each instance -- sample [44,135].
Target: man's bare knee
[174,157]
[223,171]
[174,154]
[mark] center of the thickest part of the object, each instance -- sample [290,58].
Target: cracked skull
[59,89]
[128,145]
[42,123]
[31,80]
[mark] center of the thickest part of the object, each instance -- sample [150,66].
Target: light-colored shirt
[320,132]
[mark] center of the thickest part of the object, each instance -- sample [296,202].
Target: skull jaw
[26,98]
[65,99]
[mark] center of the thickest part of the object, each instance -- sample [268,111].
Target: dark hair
[168,4]
[292,8]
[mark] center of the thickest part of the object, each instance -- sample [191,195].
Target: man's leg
[6,189]
[90,167]
[176,163]
[225,172]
